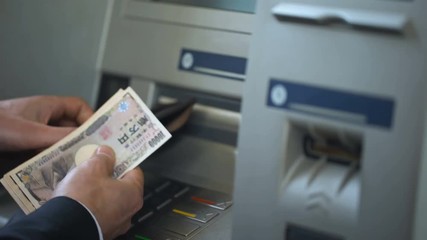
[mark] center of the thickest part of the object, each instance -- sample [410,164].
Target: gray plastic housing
[275,187]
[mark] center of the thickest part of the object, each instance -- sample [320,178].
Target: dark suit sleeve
[59,218]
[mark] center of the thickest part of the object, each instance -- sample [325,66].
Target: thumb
[102,160]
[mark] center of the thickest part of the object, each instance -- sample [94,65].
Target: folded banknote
[124,123]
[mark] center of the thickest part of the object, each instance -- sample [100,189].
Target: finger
[21,134]
[71,108]
[103,160]
[44,136]
[66,123]
[134,176]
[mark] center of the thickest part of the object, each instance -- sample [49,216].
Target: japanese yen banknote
[124,123]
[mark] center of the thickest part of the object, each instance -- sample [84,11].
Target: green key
[141,238]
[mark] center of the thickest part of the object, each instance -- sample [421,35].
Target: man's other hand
[40,121]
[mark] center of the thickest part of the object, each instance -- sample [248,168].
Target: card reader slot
[367,19]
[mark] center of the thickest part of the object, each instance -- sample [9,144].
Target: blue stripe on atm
[377,110]
[216,61]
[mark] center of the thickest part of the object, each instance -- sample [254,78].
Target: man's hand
[40,121]
[113,202]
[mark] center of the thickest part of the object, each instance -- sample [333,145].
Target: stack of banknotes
[124,123]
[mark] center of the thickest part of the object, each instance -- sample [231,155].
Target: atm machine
[328,141]
[309,122]
[170,51]
[332,136]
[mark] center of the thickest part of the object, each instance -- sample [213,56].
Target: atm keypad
[175,211]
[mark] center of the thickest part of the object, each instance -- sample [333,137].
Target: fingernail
[105,150]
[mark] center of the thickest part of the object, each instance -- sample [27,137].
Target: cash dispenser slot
[212,118]
[321,180]
[340,147]
[202,151]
